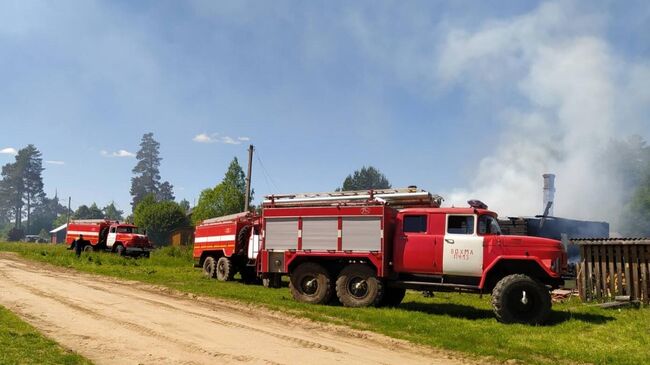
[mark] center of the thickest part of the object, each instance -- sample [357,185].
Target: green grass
[20,343]
[460,322]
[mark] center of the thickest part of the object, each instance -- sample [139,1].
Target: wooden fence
[614,267]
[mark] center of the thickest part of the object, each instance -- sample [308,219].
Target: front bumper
[138,249]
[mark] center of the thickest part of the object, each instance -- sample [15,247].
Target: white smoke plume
[571,87]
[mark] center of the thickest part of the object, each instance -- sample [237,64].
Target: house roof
[59,228]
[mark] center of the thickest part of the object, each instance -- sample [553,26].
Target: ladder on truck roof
[397,198]
[226,218]
[92,221]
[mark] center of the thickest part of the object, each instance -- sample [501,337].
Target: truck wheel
[119,249]
[209,267]
[310,283]
[272,281]
[224,270]
[393,297]
[88,248]
[521,299]
[357,286]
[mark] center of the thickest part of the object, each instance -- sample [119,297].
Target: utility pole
[69,200]
[248,178]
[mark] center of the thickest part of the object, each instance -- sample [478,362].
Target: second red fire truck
[366,248]
[103,234]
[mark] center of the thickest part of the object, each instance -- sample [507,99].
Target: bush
[159,218]
[15,235]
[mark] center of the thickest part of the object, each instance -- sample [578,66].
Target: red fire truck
[103,234]
[365,248]
[221,246]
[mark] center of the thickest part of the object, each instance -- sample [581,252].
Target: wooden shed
[57,235]
[183,236]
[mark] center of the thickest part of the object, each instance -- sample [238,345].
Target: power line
[267,176]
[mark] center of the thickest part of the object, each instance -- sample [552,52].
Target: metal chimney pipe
[549,194]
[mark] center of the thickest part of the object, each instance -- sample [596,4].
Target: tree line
[25,208]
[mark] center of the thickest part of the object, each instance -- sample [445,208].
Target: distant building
[183,236]
[57,235]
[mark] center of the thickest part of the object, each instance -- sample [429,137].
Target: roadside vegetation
[20,343]
[577,333]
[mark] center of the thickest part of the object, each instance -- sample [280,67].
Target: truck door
[112,236]
[463,248]
[254,244]
[416,246]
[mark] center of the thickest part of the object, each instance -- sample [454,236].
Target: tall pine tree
[22,185]
[147,174]
[32,160]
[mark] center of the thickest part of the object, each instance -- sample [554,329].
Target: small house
[57,235]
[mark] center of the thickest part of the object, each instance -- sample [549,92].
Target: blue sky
[463,98]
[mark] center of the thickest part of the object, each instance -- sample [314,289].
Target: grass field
[577,333]
[20,343]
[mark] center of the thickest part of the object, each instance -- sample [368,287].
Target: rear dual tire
[358,286]
[311,283]
[224,270]
[209,265]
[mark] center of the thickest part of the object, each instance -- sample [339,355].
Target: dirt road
[112,321]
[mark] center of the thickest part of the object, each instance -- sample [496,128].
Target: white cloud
[229,140]
[118,153]
[9,151]
[55,162]
[204,138]
[215,138]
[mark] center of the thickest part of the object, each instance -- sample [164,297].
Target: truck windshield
[487,224]
[127,230]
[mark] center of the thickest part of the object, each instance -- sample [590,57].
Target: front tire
[225,270]
[311,283]
[358,286]
[521,299]
[119,249]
